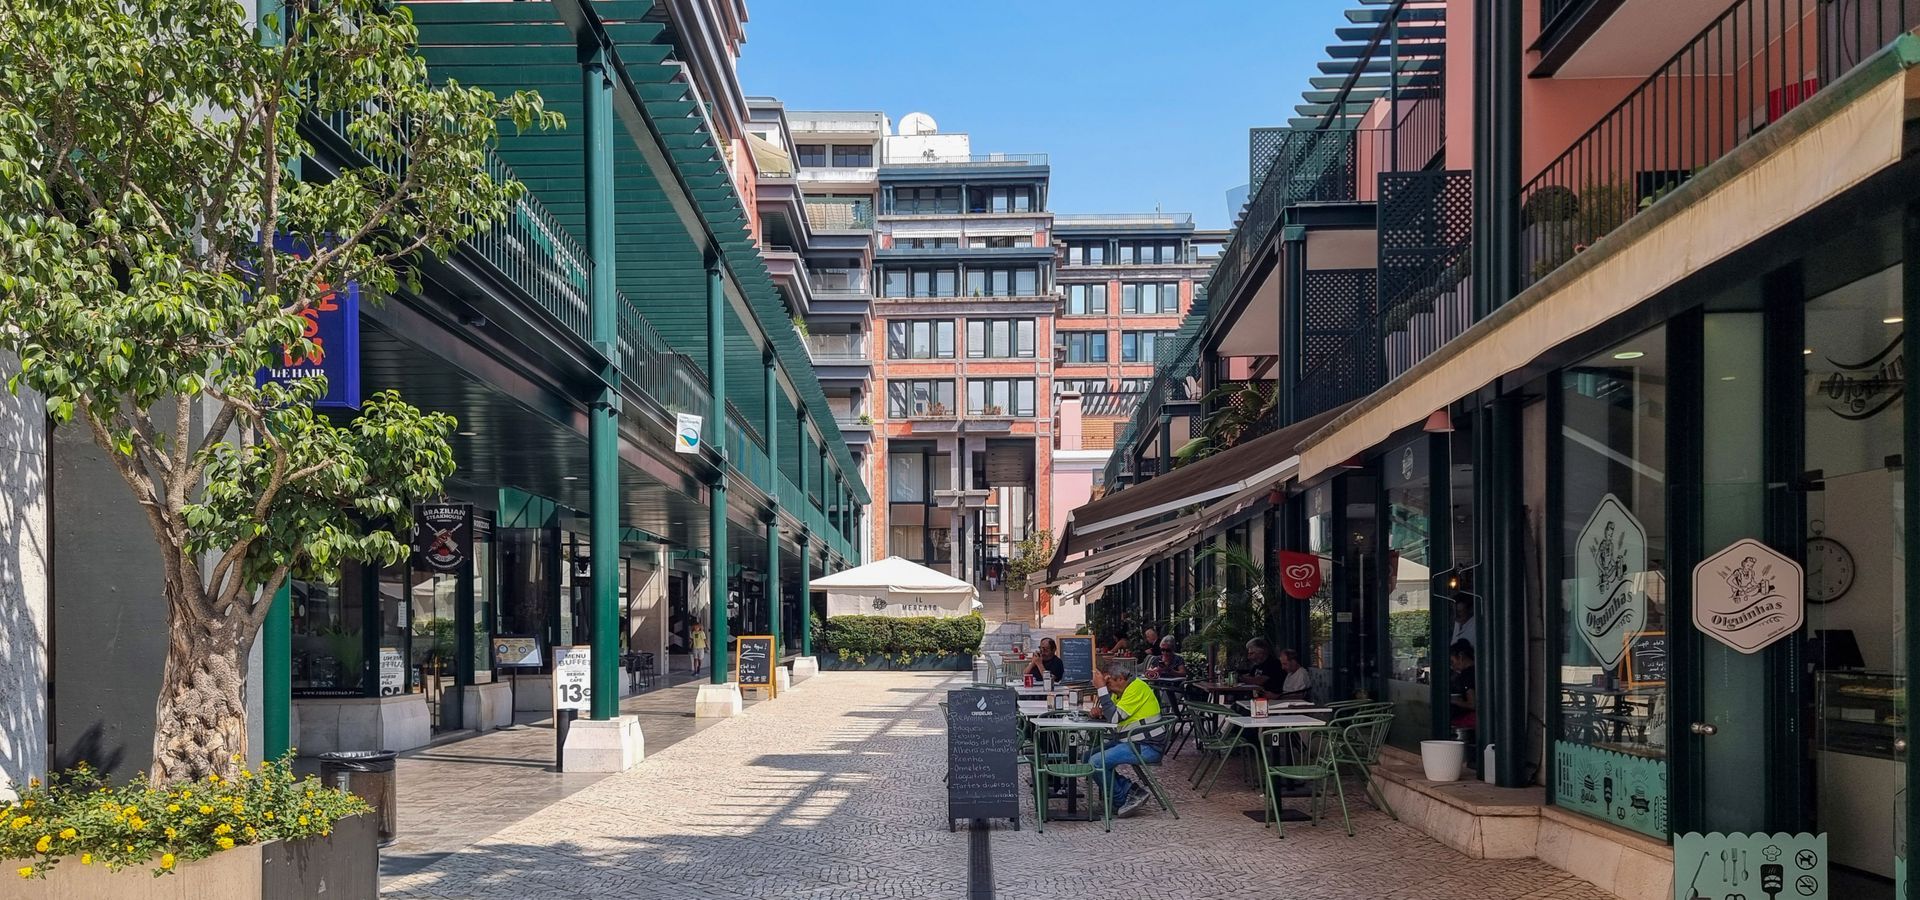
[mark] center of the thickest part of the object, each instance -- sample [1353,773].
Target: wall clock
[1830,569]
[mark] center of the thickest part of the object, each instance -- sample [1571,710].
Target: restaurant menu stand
[983,750]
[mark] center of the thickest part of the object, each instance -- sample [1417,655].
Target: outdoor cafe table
[1288,708]
[1219,690]
[1034,707]
[1291,722]
[1062,727]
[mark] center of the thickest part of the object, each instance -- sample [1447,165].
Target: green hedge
[858,635]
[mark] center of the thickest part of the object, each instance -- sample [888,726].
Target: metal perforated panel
[1337,360]
[1426,233]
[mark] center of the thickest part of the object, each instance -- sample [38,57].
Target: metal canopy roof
[674,198]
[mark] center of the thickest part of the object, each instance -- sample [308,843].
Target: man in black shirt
[1262,670]
[1046,660]
[1463,704]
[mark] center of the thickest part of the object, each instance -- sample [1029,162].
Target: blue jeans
[1106,761]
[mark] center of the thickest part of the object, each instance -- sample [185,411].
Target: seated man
[1164,662]
[1262,670]
[1299,681]
[1462,704]
[1046,661]
[1127,701]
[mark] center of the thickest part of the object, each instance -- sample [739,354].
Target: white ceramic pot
[1443,760]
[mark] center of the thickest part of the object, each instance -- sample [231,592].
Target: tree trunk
[200,723]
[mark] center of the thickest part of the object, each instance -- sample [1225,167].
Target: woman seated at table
[1046,661]
[1164,662]
[1118,647]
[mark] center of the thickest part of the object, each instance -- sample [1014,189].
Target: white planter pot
[1443,760]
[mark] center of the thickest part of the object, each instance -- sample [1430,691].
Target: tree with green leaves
[159,247]
[1233,609]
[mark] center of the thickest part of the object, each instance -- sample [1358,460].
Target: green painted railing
[655,369]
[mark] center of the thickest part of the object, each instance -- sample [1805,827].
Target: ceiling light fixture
[1892,320]
[468,433]
[1625,355]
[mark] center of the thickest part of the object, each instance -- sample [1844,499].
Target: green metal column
[603,419]
[806,542]
[771,389]
[715,434]
[276,676]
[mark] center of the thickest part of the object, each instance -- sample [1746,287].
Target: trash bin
[367,774]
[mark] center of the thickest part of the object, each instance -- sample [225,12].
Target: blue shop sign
[333,325]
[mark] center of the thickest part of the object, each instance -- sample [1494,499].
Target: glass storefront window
[482,600]
[1609,755]
[392,665]
[1410,596]
[329,644]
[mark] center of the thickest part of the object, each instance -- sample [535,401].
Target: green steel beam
[603,423]
[714,433]
[771,389]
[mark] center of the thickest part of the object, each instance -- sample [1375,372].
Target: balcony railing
[528,246]
[1308,166]
[1005,159]
[1742,73]
[649,364]
[844,280]
[839,213]
[840,348]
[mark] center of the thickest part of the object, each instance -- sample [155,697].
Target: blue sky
[1138,103]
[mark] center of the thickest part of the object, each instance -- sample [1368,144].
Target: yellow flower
[269,815]
[173,807]
[251,832]
[235,757]
[21,821]
[67,834]
[129,810]
[245,774]
[86,859]
[137,823]
[303,820]
[166,860]
[225,843]
[223,828]
[26,871]
[33,782]
[44,844]
[206,810]
[170,832]
[26,804]
[214,777]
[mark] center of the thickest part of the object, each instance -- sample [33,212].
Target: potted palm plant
[1230,612]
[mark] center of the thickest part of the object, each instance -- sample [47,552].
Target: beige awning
[1834,141]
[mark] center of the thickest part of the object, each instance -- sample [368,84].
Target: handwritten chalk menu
[1076,657]
[1647,659]
[753,660]
[983,749]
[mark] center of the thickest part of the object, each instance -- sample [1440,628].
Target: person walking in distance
[699,641]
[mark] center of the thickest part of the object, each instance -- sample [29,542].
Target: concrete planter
[344,865]
[878,662]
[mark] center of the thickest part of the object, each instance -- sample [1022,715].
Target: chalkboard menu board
[1647,659]
[753,661]
[1076,658]
[983,750]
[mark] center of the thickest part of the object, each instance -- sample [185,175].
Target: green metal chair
[1056,765]
[1314,764]
[1219,739]
[1129,733]
[1356,747]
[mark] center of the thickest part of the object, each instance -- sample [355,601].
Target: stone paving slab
[834,791]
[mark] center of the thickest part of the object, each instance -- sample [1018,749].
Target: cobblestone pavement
[440,811]
[834,791]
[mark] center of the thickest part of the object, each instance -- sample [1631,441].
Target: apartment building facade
[1583,327]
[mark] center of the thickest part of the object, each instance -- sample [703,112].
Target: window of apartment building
[919,397]
[1150,298]
[1000,199]
[1080,385]
[1003,282]
[1000,338]
[852,157]
[1135,385]
[812,155]
[998,242]
[930,243]
[1085,346]
[1086,299]
[1000,396]
[1146,253]
[921,282]
[920,339]
[1141,346]
[916,200]
[1086,253]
